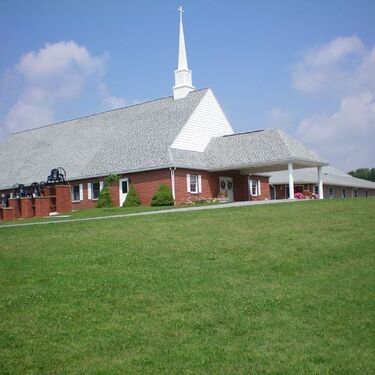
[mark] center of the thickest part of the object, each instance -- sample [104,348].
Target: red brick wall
[264,188]
[42,206]
[280,189]
[14,203]
[26,208]
[146,183]
[210,185]
[63,198]
[86,202]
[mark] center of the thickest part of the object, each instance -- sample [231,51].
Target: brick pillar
[8,213]
[42,206]
[63,198]
[14,203]
[26,208]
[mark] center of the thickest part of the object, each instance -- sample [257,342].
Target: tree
[162,197]
[104,199]
[364,173]
[132,198]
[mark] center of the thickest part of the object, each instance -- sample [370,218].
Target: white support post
[291,180]
[320,182]
[173,185]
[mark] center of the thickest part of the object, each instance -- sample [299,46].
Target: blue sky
[305,66]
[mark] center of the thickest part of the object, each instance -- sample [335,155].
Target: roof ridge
[282,135]
[100,113]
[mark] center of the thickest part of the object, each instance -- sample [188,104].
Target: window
[95,190]
[330,192]
[75,193]
[366,194]
[316,189]
[253,187]
[355,193]
[193,183]
[343,193]
[124,186]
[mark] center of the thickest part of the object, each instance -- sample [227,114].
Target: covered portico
[264,169]
[262,152]
[289,165]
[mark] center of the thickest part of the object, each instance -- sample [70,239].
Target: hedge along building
[184,141]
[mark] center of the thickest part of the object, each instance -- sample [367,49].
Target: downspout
[172,169]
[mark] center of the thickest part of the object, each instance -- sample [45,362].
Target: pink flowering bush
[314,196]
[298,196]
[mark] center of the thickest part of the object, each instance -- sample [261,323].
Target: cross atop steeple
[183,81]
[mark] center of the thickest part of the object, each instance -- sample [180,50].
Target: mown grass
[95,212]
[285,288]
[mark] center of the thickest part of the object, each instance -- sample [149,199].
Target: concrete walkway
[172,210]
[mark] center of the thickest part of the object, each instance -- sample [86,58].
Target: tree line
[365,173]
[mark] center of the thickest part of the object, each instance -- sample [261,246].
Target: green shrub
[111,179]
[104,199]
[132,198]
[162,197]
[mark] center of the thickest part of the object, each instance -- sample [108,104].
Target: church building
[184,141]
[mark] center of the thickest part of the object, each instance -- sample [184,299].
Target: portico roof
[251,152]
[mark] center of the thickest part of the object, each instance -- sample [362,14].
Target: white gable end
[208,120]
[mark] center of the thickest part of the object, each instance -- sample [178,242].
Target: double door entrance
[226,187]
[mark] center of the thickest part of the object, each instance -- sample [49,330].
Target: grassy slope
[86,213]
[283,288]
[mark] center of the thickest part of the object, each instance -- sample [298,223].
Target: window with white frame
[330,192]
[355,193]
[254,187]
[95,190]
[343,193]
[316,189]
[75,193]
[194,183]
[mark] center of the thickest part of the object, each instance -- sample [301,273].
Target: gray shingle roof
[136,138]
[259,147]
[331,176]
[246,149]
[125,139]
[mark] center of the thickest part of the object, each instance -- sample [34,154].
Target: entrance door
[226,186]
[123,189]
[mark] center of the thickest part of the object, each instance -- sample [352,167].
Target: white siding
[208,120]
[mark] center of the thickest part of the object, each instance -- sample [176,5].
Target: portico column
[320,182]
[291,180]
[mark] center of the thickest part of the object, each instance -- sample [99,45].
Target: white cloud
[333,67]
[279,118]
[112,102]
[343,70]
[56,73]
[346,136]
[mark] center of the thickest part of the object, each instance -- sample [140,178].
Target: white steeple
[183,82]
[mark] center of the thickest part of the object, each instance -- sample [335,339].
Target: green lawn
[287,288]
[95,212]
